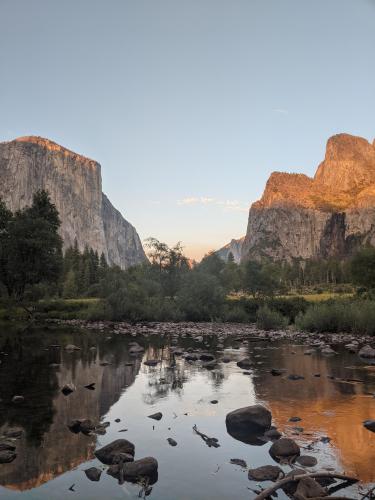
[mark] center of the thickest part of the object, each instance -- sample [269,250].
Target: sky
[188,105]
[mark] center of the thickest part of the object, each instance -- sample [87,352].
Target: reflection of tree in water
[173,372]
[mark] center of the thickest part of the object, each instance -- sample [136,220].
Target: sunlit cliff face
[53,146]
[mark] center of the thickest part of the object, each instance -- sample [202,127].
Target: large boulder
[366,352]
[284,450]
[249,423]
[119,450]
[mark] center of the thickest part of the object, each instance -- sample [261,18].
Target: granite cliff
[330,215]
[234,247]
[75,185]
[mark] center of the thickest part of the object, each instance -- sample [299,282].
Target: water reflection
[34,366]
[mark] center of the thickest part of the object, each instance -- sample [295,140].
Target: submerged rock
[134,471]
[265,473]
[244,363]
[151,362]
[172,442]
[238,461]
[272,434]
[93,473]
[67,389]
[120,448]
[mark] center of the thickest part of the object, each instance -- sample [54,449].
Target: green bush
[335,317]
[267,319]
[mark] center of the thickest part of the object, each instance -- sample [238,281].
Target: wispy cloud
[227,205]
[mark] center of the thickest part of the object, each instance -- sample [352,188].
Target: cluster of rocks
[119,456]
[87,427]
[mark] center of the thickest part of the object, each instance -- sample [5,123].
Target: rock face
[330,215]
[74,183]
[234,247]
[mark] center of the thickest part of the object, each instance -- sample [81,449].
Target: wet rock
[93,473]
[325,439]
[244,363]
[276,372]
[366,352]
[351,348]
[87,426]
[72,347]
[117,420]
[265,473]
[75,426]
[191,357]
[238,461]
[295,377]
[67,389]
[370,425]
[307,461]
[18,399]
[134,471]
[295,419]
[151,362]
[214,402]
[272,434]
[5,446]
[226,359]
[7,456]
[90,387]
[156,416]
[109,454]
[172,442]
[284,450]
[243,424]
[206,357]
[309,488]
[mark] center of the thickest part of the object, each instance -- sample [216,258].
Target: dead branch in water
[208,440]
[315,475]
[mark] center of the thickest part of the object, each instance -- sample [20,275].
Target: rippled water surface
[51,459]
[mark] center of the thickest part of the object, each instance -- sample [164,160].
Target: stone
[366,352]
[74,183]
[239,461]
[276,372]
[18,399]
[172,442]
[295,419]
[295,377]
[284,449]
[156,416]
[93,473]
[265,473]
[272,434]
[244,363]
[134,471]
[214,402]
[250,419]
[370,425]
[207,357]
[151,362]
[13,432]
[67,389]
[307,461]
[72,347]
[109,454]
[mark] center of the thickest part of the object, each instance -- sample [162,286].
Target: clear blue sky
[188,105]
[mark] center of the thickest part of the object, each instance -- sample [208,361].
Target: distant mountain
[234,247]
[330,215]
[74,182]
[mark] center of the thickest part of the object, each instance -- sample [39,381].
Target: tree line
[33,266]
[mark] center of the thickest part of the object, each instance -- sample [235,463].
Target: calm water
[50,459]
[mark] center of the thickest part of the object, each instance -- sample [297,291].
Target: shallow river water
[51,459]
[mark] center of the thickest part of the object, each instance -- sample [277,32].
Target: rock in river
[67,389]
[156,416]
[7,456]
[307,461]
[110,453]
[244,423]
[133,471]
[93,473]
[366,352]
[244,363]
[284,449]
[266,473]
[370,425]
[172,442]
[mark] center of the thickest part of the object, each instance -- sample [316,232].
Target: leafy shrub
[234,313]
[333,317]
[267,319]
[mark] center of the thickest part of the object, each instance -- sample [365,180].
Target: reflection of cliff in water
[330,407]
[47,411]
